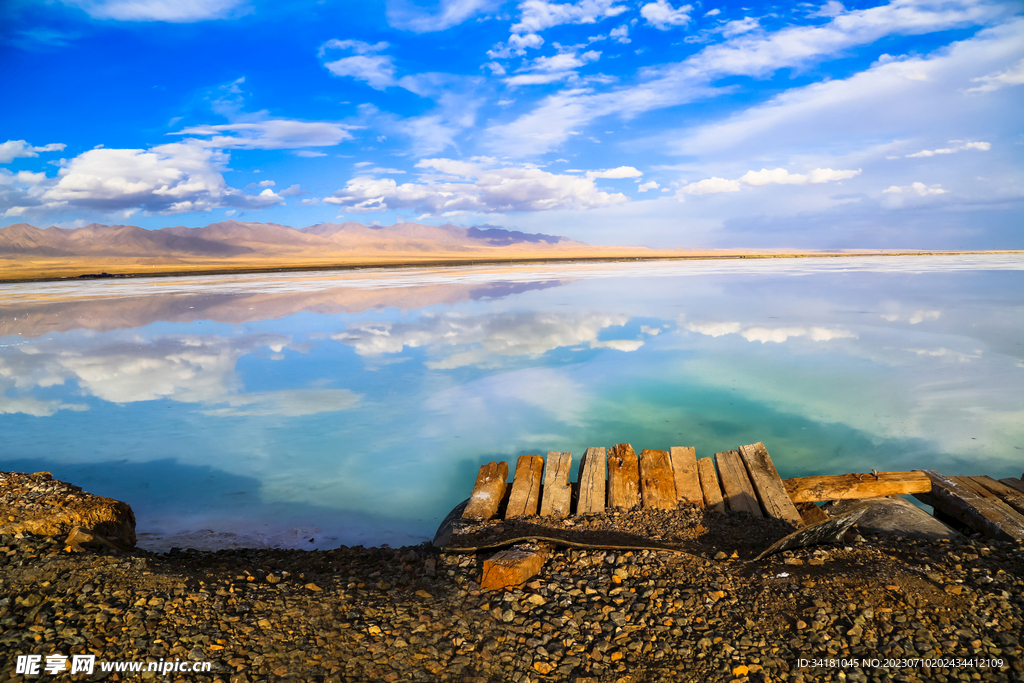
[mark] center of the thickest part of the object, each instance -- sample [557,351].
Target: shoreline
[48,275]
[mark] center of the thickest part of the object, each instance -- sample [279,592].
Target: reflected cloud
[35,407]
[776,335]
[488,337]
[288,403]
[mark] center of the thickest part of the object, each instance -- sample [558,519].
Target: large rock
[894,515]
[41,505]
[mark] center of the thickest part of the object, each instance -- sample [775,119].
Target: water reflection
[356,409]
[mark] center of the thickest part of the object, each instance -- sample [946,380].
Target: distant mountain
[262,240]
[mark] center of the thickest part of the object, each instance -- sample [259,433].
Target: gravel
[415,614]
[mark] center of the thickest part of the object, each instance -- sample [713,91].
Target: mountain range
[235,238]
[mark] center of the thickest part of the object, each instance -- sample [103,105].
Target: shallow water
[311,410]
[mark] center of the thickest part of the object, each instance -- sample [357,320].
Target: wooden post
[592,482]
[709,485]
[961,503]
[811,513]
[977,485]
[557,494]
[684,467]
[768,484]
[657,481]
[623,477]
[739,492]
[845,486]
[488,492]
[525,487]
[1013,483]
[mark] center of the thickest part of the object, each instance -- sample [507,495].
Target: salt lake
[354,407]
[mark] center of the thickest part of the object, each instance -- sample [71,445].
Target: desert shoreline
[95,269]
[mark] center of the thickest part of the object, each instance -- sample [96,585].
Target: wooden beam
[557,494]
[684,467]
[961,503]
[739,492]
[512,567]
[981,491]
[1008,494]
[592,482]
[657,481]
[845,486]
[525,487]
[1013,483]
[623,477]
[487,492]
[768,484]
[709,485]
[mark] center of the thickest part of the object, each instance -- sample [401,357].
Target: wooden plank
[962,504]
[684,468]
[487,492]
[982,491]
[657,481]
[1013,483]
[739,492]
[768,484]
[811,514]
[525,487]
[592,482]
[512,567]
[1008,494]
[846,486]
[623,477]
[557,494]
[709,485]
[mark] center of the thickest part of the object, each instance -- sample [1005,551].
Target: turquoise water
[312,410]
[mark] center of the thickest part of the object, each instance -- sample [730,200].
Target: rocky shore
[877,607]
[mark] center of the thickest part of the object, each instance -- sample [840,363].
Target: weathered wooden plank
[684,468]
[709,485]
[768,484]
[657,481]
[525,487]
[846,486]
[512,567]
[1013,483]
[557,493]
[962,504]
[487,492]
[592,482]
[623,477]
[982,491]
[1008,494]
[739,492]
[810,513]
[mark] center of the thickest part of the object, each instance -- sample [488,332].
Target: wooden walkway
[743,480]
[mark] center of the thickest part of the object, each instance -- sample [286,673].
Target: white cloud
[1000,79]
[756,55]
[478,185]
[740,26]
[650,185]
[917,188]
[620,34]
[178,11]
[832,8]
[378,71]
[714,329]
[713,13]
[550,69]
[620,172]
[28,405]
[309,154]
[769,334]
[779,176]
[460,341]
[538,15]
[272,134]
[516,46]
[408,17]
[980,146]
[14,149]
[661,15]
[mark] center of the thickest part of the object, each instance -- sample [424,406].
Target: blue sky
[610,121]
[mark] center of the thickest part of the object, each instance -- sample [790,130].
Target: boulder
[894,515]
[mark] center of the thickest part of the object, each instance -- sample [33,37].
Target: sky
[664,124]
